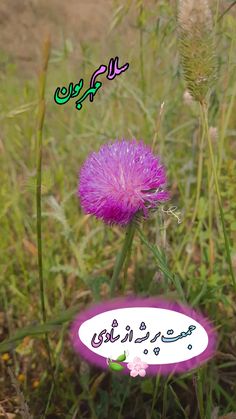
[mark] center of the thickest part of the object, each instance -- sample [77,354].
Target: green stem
[39,329]
[226,10]
[141,58]
[122,255]
[41,115]
[204,115]
[126,267]
[227,111]
[59,351]
[39,217]
[199,391]
[161,262]
[157,382]
[199,177]
[124,397]
[192,245]
[198,192]
[210,217]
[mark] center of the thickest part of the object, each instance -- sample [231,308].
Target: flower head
[137,367]
[119,180]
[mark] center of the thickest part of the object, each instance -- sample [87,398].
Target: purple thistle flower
[121,179]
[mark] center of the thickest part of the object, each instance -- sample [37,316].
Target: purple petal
[114,183]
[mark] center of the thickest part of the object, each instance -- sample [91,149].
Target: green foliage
[167,259]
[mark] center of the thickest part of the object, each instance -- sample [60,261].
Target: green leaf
[121,358]
[161,262]
[39,329]
[115,367]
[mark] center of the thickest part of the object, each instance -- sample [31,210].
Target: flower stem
[122,255]
[210,217]
[204,115]
[141,57]
[199,177]
[40,122]
[199,394]
[197,198]
[157,382]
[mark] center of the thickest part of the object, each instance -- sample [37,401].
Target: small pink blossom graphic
[137,367]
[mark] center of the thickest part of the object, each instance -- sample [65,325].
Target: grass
[79,251]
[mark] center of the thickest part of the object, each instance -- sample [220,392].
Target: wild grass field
[184,259]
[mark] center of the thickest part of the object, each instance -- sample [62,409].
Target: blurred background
[78,250]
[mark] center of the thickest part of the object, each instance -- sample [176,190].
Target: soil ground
[25,23]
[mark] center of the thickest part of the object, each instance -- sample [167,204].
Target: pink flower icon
[137,367]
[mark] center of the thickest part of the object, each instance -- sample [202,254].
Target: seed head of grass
[197,46]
